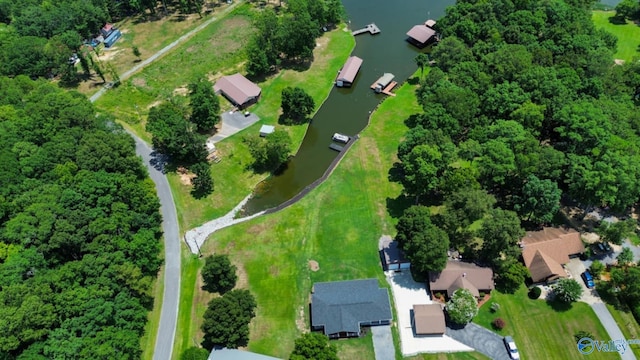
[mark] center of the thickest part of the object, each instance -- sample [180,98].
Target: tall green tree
[568,290]
[313,346]
[500,233]
[616,232]
[297,105]
[271,152]
[462,307]
[218,274]
[540,200]
[226,320]
[205,106]
[202,182]
[422,60]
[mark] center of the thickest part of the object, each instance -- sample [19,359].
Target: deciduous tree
[540,200]
[462,307]
[297,105]
[313,346]
[205,106]
[226,320]
[567,290]
[218,274]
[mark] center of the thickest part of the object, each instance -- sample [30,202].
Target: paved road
[612,327]
[481,339]
[383,343]
[170,300]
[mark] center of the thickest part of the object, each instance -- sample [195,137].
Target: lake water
[346,110]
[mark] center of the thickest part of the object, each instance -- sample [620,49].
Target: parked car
[511,347]
[606,245]
[601,247]
[588,279]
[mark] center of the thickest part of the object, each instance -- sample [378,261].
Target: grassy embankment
[628,34]
[338,225]
[542,330]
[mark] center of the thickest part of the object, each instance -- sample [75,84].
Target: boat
[340,138]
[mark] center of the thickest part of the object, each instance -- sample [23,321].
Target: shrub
[498,324]
[582,334]
[495,307]
[535,292]
[596,268]
[481,294]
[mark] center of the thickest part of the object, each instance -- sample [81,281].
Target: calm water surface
[346,110]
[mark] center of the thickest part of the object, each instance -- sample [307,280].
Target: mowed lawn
[540,331]
[338,225]
[233,178]
[628,34]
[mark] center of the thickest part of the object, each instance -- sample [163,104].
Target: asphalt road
[170,300]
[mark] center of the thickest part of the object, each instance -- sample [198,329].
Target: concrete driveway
[232,122]
[481,339]
[407,293]
[383,343]
[591,297]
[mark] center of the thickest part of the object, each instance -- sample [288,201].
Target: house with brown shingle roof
[428,319]
[546,251]
[238,89]
[462,275]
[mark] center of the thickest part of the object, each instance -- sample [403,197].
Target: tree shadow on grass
[618,20]
[397,206]
[559,306]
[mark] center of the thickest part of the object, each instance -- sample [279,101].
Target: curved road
[171,297]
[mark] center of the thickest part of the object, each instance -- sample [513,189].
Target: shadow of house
[239,90]
[545,252]
[340,309]
[462,275]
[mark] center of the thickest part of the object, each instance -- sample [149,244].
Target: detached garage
[238,89]
[392,256]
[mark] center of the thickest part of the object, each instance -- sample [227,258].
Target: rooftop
[428,319]
[461,275]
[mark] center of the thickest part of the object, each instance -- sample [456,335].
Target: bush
[535,292]
[498,324]
[582,334]
[195,353]
[481,295]
[495,307]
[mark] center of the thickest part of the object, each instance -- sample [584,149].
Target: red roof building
[238,89]
[347,75]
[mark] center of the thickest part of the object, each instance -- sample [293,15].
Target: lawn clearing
[628,34]
[540,331]
[232,177]
[627,324]
[360,348]
[191,265]
[337,225]
[148,340]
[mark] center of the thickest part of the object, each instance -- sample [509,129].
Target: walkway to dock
[387,89]
[371,28]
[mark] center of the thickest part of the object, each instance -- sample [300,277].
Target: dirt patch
[107,55]
[182,91]
[257,229]
[139,82]
[274,271]
[243,280]
[590,237]
[313,265]
[301,324]
[155,103]
[185,176]
[230,40]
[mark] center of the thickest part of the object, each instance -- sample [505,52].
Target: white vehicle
[340,138]
[511,347]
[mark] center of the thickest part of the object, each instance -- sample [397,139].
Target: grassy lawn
[360,348]
[540,331]
[149,34]
[451,356]
[191,265]
[148,340]
[628,34]
[233,181]
[337,225]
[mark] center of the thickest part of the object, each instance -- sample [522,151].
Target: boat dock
[371,29]
[340,138]
[336,147]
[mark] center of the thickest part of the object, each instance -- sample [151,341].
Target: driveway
[591,297]
[407,293]
[232,122]
[481,339]
[383,343]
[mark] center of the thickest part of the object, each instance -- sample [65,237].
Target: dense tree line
[38,37]
[79,229]
[291,36]
[523,106]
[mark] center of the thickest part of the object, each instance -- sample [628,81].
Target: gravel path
[196,237]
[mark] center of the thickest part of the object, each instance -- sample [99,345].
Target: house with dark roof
[238,89]
[423,34]
[392,256]
[347,75]
[546,251]
[235,354]
[428,319]
[462,275]
[341,308]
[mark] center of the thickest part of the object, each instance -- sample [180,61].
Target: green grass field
[628,325]
[232,177]
[148,340]
[540,331]
[628,34]
[337,225]
[185,333]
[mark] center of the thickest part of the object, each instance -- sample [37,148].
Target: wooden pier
[371,29]
[387,89]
